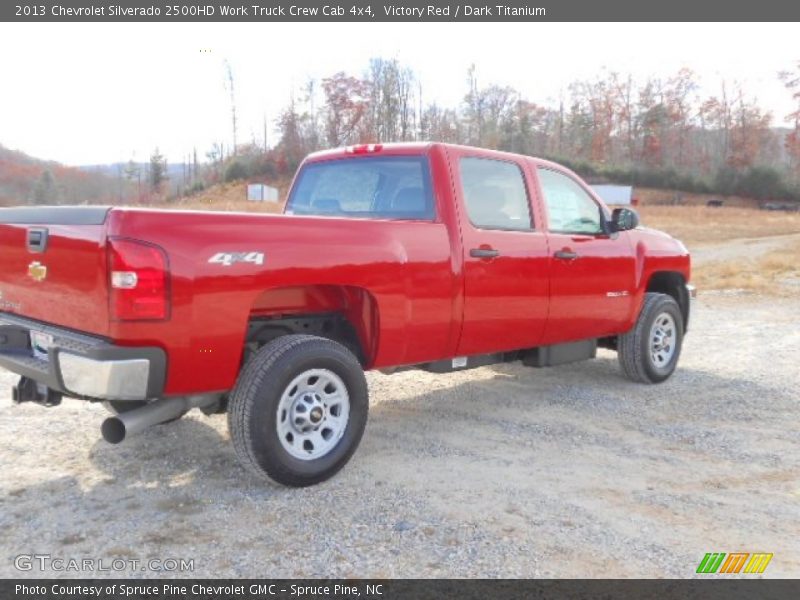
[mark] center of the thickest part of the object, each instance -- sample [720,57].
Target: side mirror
[623,219]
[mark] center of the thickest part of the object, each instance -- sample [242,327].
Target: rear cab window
[375,187]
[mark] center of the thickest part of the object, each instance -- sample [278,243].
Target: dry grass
[776,272]
[698,225]
[650,196]
[226,197]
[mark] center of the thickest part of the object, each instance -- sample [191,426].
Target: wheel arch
[346,314]
[671,283]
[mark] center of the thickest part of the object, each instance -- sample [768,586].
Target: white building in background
[258,192]
[614,194]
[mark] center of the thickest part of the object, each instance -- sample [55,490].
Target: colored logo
[721,563]
[37,271]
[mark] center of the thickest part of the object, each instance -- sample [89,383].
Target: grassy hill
[20,175]
[226,197]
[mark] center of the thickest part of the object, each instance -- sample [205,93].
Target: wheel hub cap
[663,336]
[313,414]
[307,412]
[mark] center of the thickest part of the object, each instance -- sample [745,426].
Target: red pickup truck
[428,256]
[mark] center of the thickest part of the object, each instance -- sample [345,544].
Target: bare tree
[229,86]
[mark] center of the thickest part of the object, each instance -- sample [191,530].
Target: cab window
[388,187]
[495,194]
[570,209]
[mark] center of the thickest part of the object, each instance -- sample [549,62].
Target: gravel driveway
[741,249]
[499,472]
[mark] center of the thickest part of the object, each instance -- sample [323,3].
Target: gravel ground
[740,249]
[498,472]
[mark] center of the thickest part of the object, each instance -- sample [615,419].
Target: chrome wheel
[313,413]
[662,340]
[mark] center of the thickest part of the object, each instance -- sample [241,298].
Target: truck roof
[399,148]
[393,148]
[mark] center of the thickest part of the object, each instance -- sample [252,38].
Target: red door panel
[505,305]
[505,257]
[592,271]
[591,286]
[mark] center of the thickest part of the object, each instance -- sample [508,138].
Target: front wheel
[299,409]
[649,352]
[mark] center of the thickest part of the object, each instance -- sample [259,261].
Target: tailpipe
[115,429]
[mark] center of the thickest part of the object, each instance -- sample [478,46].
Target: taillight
[139,281]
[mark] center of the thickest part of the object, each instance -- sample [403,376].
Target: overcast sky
[99,93]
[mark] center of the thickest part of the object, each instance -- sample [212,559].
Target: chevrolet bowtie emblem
[37,271]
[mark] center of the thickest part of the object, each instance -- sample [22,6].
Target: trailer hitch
[27,390]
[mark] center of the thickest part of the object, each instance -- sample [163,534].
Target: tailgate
[53,266]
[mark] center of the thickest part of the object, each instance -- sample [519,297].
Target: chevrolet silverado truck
[429,256]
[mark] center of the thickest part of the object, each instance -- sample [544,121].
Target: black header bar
[716,588]
[400,11]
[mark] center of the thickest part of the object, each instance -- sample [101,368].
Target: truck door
[505,255]
[592,272]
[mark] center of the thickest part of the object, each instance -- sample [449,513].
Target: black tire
[634,347]
[117,407]
[254,403]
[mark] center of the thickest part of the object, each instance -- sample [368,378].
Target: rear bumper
[82,366]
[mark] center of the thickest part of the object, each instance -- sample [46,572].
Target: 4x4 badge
[37,271]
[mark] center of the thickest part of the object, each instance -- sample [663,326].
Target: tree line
[27,180]
[659,132]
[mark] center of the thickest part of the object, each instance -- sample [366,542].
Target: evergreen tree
[46,191]
[158,171]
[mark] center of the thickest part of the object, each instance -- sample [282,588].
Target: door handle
[484,253]
[37,239]
[566,255]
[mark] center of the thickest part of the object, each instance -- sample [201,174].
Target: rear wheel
[649,352]
[299,409]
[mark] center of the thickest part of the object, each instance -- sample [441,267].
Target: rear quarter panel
[404,267]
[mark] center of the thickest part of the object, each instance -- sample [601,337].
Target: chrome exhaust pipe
[115,429]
